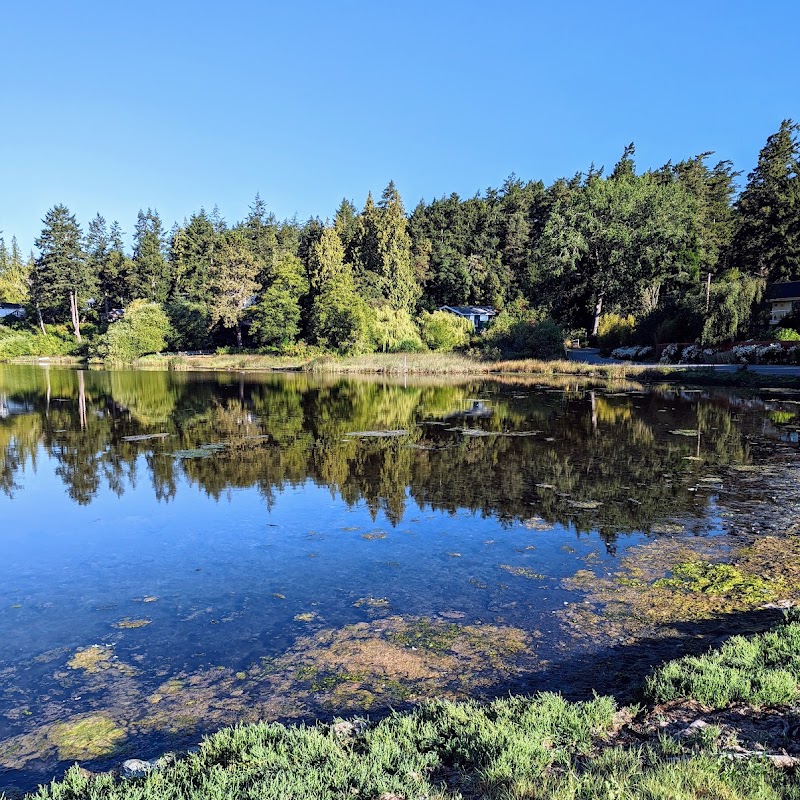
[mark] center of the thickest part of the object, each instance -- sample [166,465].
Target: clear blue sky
[112,107]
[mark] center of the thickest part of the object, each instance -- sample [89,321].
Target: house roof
[11,306]
[783,291]
[469,311]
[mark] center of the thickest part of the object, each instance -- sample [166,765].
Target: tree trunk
[238,335]
[73,307]
[41,321]
[598,310]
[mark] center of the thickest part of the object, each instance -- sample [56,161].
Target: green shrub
[144,329]
[190,324]
[614,330]
[441,330]
[21,343]
[787,335]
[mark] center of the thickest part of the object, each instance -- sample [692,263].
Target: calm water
[179,551]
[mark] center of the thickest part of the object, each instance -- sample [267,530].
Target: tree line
[674,253]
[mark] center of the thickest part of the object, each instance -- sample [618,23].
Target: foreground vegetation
[536,748]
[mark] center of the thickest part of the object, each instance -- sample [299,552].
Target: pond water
[181,551]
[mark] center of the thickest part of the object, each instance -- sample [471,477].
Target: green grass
[761,670]
[539,747]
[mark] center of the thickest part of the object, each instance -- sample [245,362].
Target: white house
[784,298]
[479,316]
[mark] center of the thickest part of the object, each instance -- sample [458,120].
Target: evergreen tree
[15,274]
[150,278]
[395,265]
[193,251]
[767,239]
[104,263]
[62,281]
[340,318]
[260,231]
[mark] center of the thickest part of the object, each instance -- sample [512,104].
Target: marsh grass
[454,364]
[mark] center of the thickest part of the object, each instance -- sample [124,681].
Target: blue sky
[112,107]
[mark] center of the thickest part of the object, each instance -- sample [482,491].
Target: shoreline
[438,365]
[703,726]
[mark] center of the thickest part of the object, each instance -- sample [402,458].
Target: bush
[787,335]
[190,325]
[614,330]
[545,340]
[144,329]
[444,331]
[16,343]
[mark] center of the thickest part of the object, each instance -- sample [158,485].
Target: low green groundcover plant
[761,670]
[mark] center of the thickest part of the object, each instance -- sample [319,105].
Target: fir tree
[767,240]
[62,281]
[150,278]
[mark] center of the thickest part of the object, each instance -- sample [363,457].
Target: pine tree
[767,239]
[150,278]
[62,280]
[339,315]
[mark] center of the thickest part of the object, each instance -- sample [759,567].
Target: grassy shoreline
[456,365]
[716,725]
[437,364]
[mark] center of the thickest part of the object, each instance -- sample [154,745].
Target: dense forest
[672,254]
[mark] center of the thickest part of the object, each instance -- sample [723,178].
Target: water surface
[180,551]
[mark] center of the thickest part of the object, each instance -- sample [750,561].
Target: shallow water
[180,551]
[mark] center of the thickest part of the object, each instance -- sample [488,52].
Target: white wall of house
[781,309]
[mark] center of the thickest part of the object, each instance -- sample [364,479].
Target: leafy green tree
[62,280]
[767,239]
[732,300]
[608,238]
[441,330]
[233,283]
[143,329]
[150,277]
[275,320]
[394,331]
